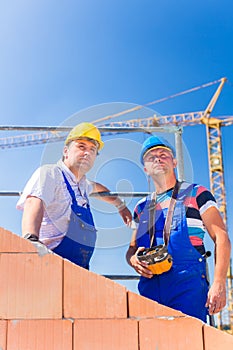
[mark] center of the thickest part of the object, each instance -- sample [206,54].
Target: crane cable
[136,108]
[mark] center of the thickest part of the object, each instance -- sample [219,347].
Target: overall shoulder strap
[70,190]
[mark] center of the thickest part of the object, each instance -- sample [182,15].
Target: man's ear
[65,150]
[145,170]
[174,162]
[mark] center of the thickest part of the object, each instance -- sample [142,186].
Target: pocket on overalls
[86,234]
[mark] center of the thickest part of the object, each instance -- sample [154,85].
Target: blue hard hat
[153,142]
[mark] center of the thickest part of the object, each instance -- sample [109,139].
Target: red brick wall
[47,303]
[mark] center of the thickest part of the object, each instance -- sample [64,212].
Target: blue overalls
[185,286]
[79,242]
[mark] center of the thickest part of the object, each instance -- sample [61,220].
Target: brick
[106,334]
[39,335]
[88,295]
[142,307]
[3,334]
[171,334]
[31,286]
[12,243]
[214,339]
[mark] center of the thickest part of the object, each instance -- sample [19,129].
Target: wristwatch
[31,237]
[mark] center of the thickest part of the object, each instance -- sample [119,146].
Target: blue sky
[62,62]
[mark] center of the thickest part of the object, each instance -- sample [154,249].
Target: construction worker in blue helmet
[56,199]
[167,247]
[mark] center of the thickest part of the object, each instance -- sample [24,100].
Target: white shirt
[47,183]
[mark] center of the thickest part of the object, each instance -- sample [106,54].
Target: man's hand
[216,299]
[114,200]
[126,215]
[140,267]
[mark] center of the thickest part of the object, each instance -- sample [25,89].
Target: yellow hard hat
[86,130]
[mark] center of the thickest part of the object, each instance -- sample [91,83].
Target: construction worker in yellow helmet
[55,201]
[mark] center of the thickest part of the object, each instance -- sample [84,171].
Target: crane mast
[217,186]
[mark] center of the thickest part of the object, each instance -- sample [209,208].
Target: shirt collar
[69,173]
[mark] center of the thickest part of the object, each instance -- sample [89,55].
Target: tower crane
[214,144]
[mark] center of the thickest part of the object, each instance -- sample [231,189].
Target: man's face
[80,155]
[159,161]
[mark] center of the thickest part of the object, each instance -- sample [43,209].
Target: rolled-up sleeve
[41,185]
